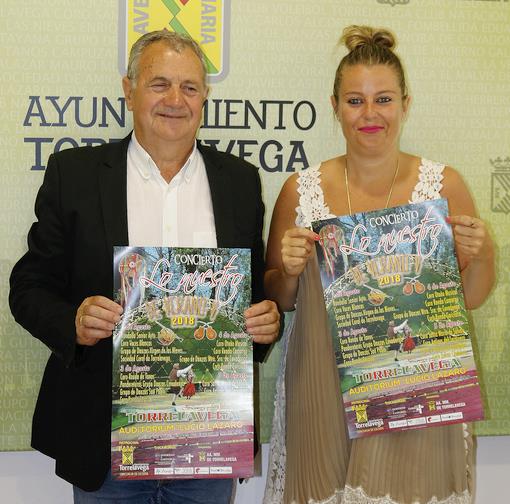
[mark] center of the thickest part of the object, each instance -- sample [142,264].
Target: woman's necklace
[389,193]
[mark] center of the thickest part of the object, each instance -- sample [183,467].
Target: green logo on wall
[206,21]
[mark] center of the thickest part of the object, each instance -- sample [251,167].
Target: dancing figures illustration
[392,332]
[175,375]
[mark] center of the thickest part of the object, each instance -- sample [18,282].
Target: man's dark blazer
[81,209]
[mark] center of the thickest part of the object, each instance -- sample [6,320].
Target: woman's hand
[297,248]
[471,237]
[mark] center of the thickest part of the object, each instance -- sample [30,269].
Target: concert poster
[182,382]
[395,304]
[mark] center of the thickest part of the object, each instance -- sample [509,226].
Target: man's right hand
[95,319]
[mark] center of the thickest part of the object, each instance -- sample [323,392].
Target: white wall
[27,477]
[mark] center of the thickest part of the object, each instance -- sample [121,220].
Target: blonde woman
[312,459]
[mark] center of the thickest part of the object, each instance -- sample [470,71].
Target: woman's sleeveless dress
[312,460]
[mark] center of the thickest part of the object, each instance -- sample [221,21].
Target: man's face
[168,97]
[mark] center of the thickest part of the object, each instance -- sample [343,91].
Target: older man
[155,187]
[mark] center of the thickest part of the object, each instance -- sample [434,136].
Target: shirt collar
[147,168]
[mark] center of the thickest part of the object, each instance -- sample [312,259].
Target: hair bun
[355,36]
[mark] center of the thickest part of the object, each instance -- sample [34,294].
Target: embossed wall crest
[394,2]
[500,185]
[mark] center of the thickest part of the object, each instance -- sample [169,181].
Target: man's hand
[95,319]
[263,321]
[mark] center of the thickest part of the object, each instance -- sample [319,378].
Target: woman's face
[370,108]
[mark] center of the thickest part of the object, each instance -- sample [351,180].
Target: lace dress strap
[311,198]
[429,183]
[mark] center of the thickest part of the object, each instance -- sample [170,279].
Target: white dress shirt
[175,214]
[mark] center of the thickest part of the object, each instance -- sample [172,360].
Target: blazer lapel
[112,186]
[221,200]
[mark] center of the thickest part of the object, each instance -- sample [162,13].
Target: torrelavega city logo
[361,413]
[500,185]
[206,21]
[127,455]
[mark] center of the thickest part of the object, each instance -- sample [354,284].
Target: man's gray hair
[178,42]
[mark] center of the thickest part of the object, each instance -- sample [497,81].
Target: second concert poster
[400,331]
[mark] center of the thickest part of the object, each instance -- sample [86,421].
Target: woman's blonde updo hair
[369,46]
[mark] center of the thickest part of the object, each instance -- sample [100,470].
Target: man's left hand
[263,321]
